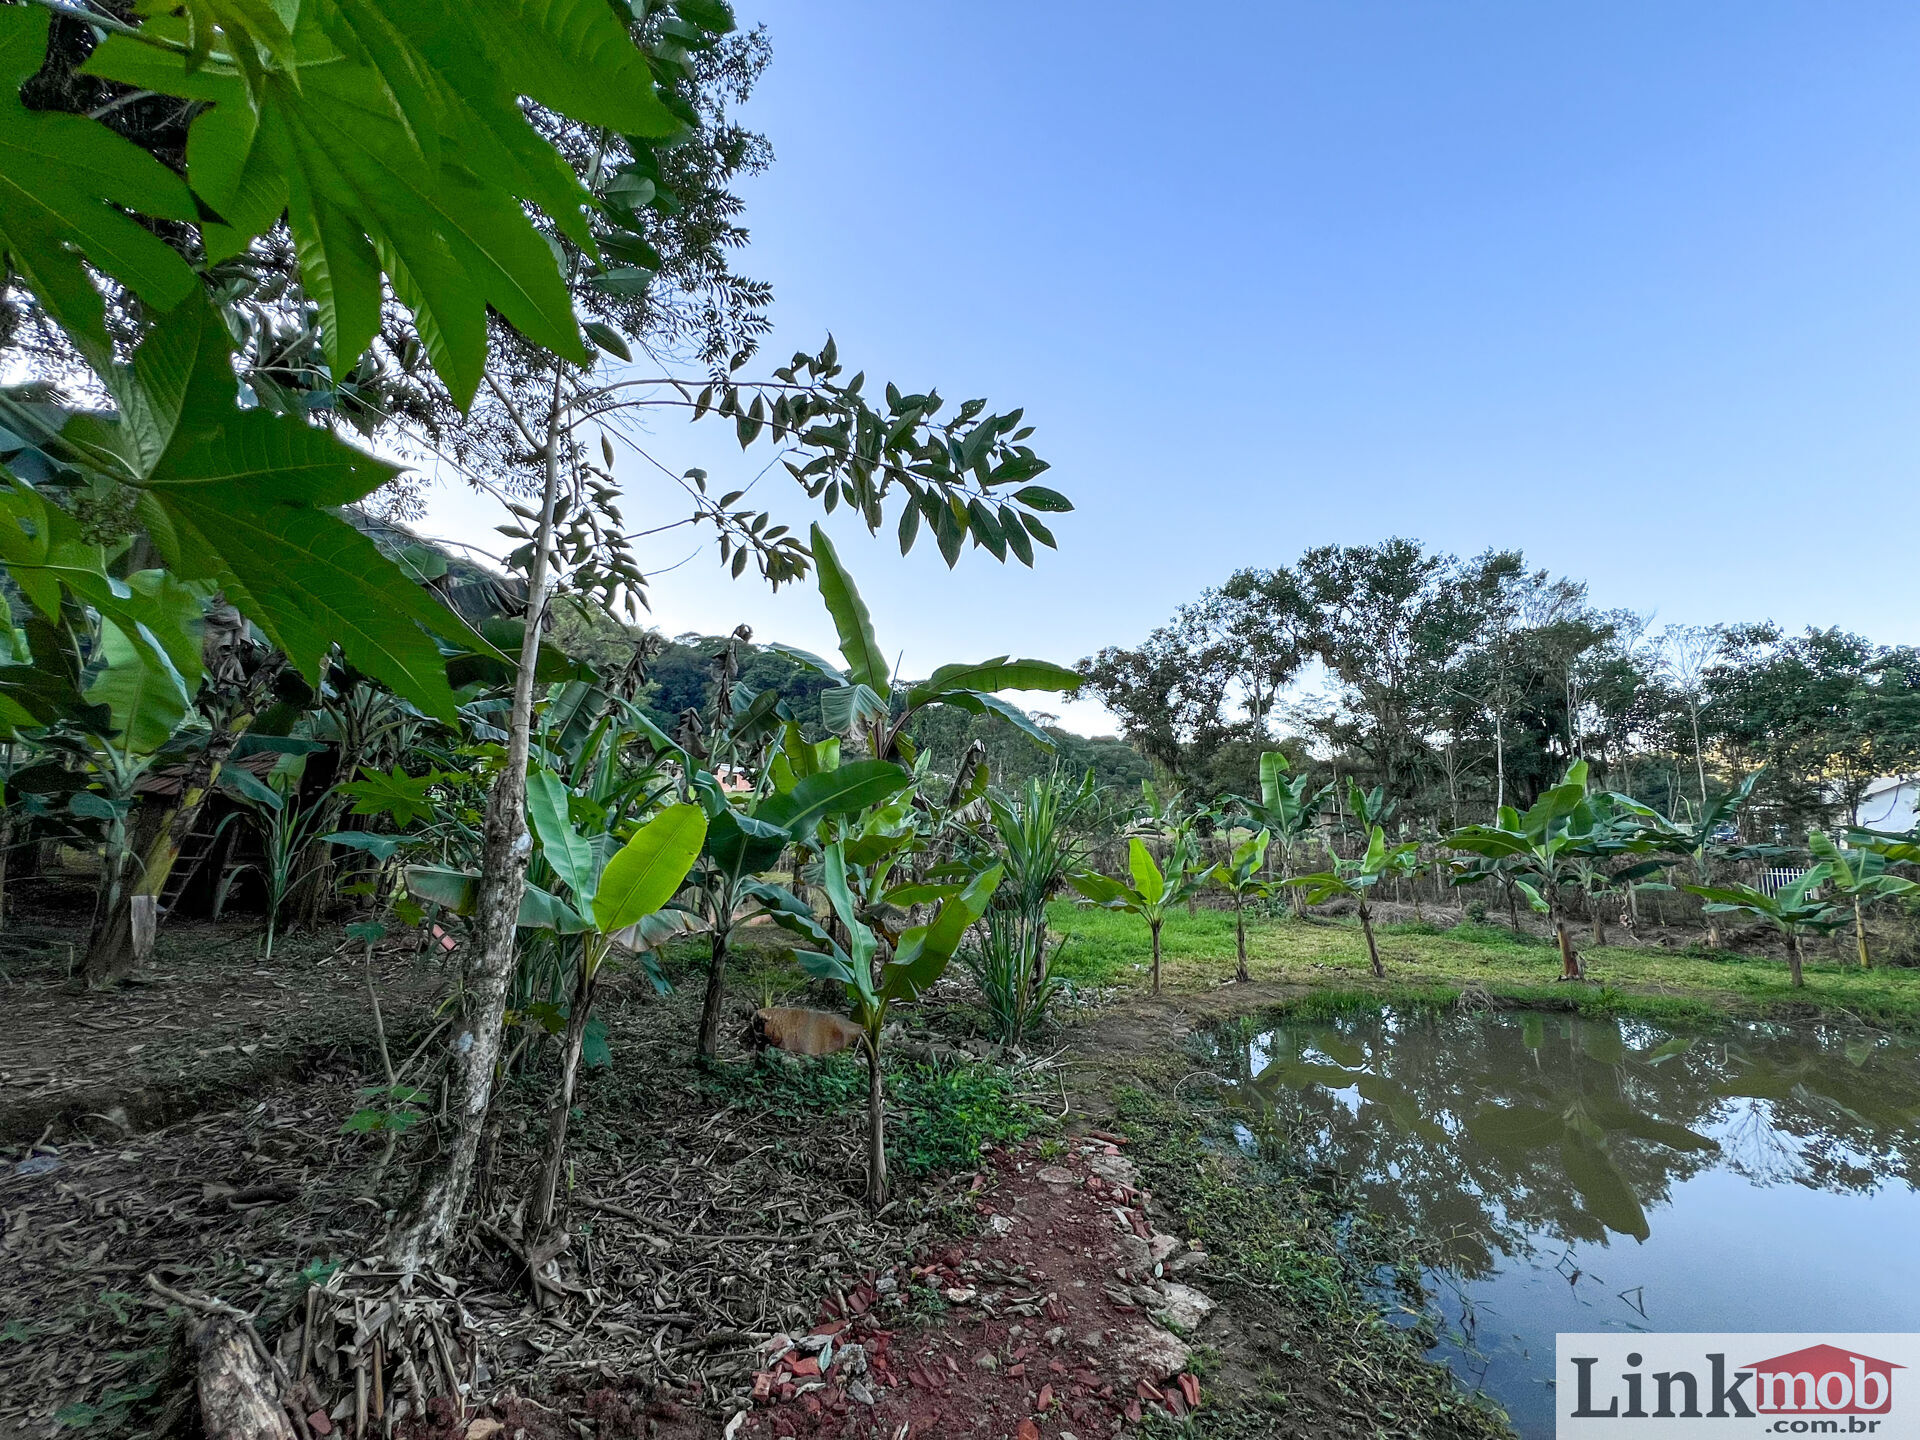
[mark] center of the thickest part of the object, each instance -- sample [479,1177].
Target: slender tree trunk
[572,1043]
[1154,926]
[1859,929]
[1699,758]
[1499,766]
[876,1127]
[715,1001]
[1793,958]
[1240,937]
[427,1225]
[1513,910]
[1599,922]
[1373,950]
[1570,966]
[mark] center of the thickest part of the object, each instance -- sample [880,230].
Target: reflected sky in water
[1592,1174]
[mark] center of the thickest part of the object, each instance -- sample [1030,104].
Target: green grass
[938,1116]
[1108,949]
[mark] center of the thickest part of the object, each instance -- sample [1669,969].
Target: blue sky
[1634,287]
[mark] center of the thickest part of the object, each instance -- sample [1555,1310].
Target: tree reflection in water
[1493,1134]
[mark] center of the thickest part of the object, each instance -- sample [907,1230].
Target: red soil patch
[1047,1330]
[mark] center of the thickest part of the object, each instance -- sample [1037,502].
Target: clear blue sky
[1632,286]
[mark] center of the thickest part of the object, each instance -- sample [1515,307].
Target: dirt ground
[212,1022]
[726,1278]
[1048,1320]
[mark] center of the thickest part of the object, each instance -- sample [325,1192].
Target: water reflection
[1524,1147]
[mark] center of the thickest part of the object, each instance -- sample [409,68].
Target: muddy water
[1584,1175]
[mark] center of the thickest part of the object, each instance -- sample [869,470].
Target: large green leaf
[925,951]
[993,675]
[566,849]
[644,874]
[324,142]
[459,891]
[845,791]
[172,613]
[311,581]
[1273,778]
[865,664]
[741,844]
[242,499]
[57,175]
[1147,876]
[980,704]
[139,686]
[1103,890]
[842,709]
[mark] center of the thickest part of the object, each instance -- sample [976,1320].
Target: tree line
[1465,685]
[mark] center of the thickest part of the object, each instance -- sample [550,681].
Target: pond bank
[1294,1253]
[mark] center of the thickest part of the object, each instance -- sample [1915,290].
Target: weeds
[944,1115]
[1293,1259]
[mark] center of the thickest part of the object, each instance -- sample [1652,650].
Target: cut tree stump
[237,1395]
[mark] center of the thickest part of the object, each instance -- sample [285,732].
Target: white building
[1889,804]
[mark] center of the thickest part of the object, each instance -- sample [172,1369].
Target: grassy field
[1109,950]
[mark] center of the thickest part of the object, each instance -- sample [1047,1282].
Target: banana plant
[1858,876]
[1792,910]
[801,785]
[1289,809]
[1357,879]
[877,975]
[1698,841]
[1153,892]
[868,705]
[603,894]
[113,665]
[1369,808]
[1239,876]
[1542,849]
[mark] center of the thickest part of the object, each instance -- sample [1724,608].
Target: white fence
[1777,878]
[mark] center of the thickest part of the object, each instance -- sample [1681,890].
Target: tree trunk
[1793,958]
[1859,929]
[1599,922]
[1154,926]
[716,996]
[576,1034]
[1240,937]
[876,1128]
[1513,910]
[427,1225]
[1570,966]
[1373,950]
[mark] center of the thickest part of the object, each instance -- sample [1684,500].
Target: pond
[1572,1174]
